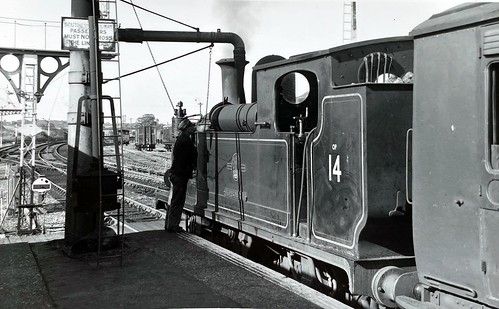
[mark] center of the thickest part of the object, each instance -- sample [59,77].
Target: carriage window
[494,114]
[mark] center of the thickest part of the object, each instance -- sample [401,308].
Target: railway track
[140,185]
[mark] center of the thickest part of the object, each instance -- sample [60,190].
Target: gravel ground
[52,220]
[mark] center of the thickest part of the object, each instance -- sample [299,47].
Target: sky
[267,27]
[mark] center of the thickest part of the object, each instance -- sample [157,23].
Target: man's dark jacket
[184,156]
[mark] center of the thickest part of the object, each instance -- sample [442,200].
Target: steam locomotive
[368,170]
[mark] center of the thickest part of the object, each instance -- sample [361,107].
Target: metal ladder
[111,173]
[349,21]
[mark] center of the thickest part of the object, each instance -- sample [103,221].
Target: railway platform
[159,270]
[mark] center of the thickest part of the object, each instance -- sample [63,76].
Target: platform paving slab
[160,270]
[21,284]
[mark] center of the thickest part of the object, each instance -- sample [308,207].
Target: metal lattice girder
[11,111]
[14,77]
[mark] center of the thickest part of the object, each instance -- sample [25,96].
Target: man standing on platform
[184,157]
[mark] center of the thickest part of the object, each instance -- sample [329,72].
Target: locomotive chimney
[230,82]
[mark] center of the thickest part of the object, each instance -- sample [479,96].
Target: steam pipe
[139,36]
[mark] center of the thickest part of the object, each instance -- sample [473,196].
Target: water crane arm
[139,36]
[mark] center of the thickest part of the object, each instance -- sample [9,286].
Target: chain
[209,77]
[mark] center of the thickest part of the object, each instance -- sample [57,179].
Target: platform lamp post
[48,129]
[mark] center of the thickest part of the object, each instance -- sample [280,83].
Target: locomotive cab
[296,102]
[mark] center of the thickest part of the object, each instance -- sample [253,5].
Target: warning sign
[75,34]
[41,185]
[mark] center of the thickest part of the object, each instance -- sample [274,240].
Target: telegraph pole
[200,104]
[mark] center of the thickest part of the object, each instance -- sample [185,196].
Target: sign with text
[76,36]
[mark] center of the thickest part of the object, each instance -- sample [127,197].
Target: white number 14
[335,170]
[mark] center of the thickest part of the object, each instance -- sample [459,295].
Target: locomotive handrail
[302,183]
[409,132]
[262,124]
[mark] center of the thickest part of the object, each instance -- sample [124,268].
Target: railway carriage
[359,179]
[122,136]
[145,137]
[145,132]
[455,171]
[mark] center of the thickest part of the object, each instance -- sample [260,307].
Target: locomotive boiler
[367,170]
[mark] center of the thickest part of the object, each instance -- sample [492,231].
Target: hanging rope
[209,77]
